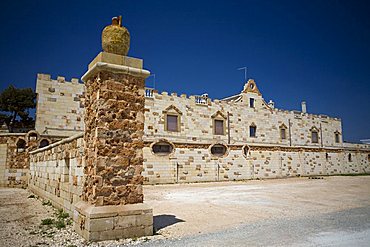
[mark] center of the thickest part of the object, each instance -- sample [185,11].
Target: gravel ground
[345,228]
[334,211]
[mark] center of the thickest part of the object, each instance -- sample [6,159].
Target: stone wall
[60,106]
[56,172]
[14,159]
[195,163]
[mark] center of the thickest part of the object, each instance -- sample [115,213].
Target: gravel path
[334,211]
[345,228]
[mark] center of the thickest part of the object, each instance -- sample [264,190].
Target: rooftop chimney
[271,104]
[304,107]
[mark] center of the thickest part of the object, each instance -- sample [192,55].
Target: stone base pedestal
[96,223]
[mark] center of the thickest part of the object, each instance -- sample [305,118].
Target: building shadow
[164,220]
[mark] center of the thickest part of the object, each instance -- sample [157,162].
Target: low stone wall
[56,172]
[195,163]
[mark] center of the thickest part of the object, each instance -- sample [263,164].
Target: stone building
[197,139]
[96,143]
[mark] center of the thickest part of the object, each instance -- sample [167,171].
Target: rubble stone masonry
[114,123]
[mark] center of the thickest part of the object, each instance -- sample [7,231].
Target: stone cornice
[114,68]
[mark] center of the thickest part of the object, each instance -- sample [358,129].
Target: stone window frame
[172,111]
[312,130]
[337,137]
[248,154]
[162,141]
[255,131]
[227,149]
[30,134]
[220,117]
[283,127]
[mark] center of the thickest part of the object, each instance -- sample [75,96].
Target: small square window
[219,127]
[252,131]
[315,137]
[172,124]
[251,103]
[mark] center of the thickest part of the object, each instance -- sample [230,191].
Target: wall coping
[55,144]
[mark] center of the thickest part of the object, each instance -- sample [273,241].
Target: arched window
[21,146]
[44,143]
[218,150]
[336,137]
[162,148]
[32,137]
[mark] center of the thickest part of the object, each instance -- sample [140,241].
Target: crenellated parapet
[60,105]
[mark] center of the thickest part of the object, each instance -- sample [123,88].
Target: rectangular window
[172,124]
[252,131]
[283,134]
[315,137]
[336,137]
[219,127]
[251,102]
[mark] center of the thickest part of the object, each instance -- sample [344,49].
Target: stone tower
[112,205]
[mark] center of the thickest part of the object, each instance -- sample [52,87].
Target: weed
[47,221]
[61,214]
[60,224]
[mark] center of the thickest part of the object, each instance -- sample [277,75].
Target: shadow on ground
[164,220]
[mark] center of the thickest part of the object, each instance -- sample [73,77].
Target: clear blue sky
[318,51]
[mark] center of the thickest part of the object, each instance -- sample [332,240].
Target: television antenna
[245,73]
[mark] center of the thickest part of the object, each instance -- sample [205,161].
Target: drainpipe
[290,134]
[228,127]
[177,172]
[218,172]
[321,136]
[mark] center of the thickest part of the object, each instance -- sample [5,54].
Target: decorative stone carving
[115,38]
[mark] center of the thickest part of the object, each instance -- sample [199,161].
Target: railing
[149,92]
[201,100]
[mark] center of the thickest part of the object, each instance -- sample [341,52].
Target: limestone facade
[60,106]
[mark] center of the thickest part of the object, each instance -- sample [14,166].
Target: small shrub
[60,224]
[47,221]
[62,215]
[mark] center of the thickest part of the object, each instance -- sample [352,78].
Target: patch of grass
[47,221]
[60,224]
[46,203]
[62,215]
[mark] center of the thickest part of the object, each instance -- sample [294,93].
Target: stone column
[112,205]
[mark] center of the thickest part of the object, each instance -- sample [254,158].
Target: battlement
[60,105]
[59,79]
